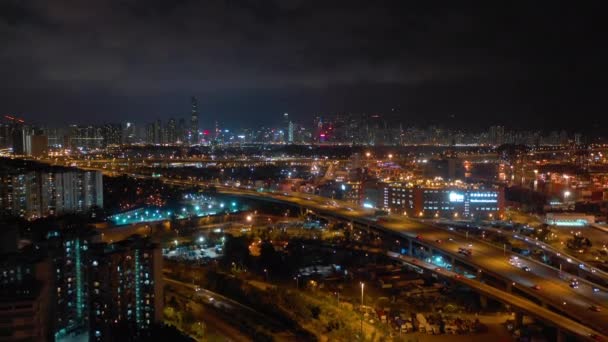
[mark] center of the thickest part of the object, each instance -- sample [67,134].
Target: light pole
[362,313]
[362,289]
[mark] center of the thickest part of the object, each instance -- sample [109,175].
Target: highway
[583,267]
[524,305]
[541,282]
[575,303]
[233,308]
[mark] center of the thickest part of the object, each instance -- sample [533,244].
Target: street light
[362,313]
[362,291]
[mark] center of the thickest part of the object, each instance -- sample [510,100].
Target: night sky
[523,63]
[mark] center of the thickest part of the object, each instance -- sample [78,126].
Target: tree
[236,249]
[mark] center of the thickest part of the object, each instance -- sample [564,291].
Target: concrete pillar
[409,247]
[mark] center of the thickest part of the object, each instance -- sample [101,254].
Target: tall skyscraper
[128,132]
[171,132]
[194,138]
[158,132]
[182,131]
[290,132]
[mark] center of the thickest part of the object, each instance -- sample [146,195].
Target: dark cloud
[69,60]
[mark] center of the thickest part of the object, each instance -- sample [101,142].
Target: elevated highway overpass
[540,292]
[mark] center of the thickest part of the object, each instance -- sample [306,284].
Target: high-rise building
[171,132]
[129,136]
[34,193]
[158,132]
[496,135]
[39,145]
[69,250]
[20,137]
[86,137]
[290,132]
[194,136]
[5,136]
[125,288]
[100,288]
[112,134]
[25,292]
[150,133]
[182,131]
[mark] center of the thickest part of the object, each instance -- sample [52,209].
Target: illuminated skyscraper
[194,138]
[290,132]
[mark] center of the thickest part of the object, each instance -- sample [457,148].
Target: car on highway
[526,268]
[465,251]
[514,261]
[596,289]
[536,287]
[574,283]
[595,308]
[439,241]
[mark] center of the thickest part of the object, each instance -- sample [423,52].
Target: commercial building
[443,201]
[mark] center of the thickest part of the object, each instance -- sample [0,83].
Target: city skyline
[291,170]
[247,63]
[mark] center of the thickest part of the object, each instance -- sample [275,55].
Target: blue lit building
[69,250]
[443,201]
